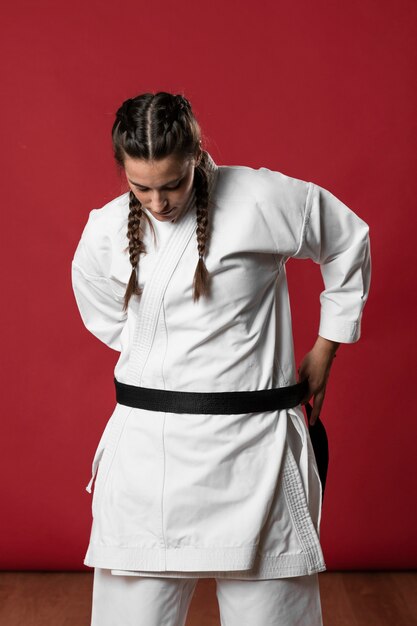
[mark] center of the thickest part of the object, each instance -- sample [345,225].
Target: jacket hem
[189,562]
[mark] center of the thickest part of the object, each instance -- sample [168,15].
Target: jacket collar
[212,173]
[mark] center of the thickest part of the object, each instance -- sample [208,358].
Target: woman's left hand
[316,366]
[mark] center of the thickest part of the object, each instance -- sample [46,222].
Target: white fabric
[126,601]
[235,496]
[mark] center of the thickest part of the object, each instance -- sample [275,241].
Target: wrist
[326,346]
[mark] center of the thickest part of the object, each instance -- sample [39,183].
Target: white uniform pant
[148,601]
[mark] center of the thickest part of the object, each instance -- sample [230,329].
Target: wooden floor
[348,599]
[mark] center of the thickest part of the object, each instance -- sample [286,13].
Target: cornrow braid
[135,247]
[201,282]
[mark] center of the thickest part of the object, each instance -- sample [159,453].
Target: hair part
[152,127]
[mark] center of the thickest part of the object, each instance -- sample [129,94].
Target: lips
[167,212]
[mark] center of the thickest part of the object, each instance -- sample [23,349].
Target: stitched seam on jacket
[298,508]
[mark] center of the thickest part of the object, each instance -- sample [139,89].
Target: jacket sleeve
[333,236]
[100,307]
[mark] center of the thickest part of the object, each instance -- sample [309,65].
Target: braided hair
[151,127]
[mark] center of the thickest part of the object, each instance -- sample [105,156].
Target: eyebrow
[169,183]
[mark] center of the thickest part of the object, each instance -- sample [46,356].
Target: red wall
[322,91]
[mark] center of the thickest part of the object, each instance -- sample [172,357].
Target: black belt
[224,402]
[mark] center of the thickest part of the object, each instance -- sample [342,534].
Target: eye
[175,186]
[169,188]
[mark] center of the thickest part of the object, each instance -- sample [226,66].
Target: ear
[198,158]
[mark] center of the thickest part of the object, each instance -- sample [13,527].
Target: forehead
[155,173]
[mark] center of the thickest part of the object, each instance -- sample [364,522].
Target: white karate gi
[231,496]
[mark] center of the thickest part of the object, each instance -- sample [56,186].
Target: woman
[200,472]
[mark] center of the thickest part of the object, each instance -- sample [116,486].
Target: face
[162,187]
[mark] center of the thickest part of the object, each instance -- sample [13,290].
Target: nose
[159,202]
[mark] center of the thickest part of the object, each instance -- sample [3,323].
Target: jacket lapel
[149,305]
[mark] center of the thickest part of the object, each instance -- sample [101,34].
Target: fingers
[307,395]
[317,382]
[317,404]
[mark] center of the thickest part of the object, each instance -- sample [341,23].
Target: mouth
[167,212]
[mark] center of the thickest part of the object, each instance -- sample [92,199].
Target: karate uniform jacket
[235,496]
